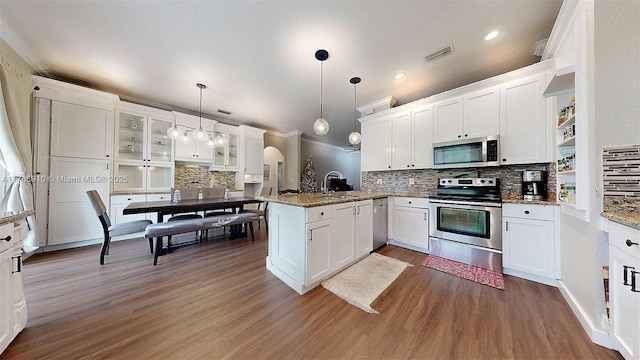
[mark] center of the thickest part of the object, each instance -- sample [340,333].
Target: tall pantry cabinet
[72,154]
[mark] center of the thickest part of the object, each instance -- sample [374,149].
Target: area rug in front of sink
[363,282]
[465,271]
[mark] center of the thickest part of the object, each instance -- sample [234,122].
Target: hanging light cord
[200,106]
[355,101]
[321,73]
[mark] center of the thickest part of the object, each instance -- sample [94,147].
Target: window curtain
[15,145]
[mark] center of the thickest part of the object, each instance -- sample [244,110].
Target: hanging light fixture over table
[198,134]
[354,137]
[321,126]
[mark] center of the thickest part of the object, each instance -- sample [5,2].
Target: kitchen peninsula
[314,236]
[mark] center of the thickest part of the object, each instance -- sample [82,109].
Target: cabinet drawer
[411,202]
[5,231]
[125,199]
[158,197]
[319,213]
[622,236]
[526,211]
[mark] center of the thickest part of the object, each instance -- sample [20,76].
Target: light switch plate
[412,181]
[379,182]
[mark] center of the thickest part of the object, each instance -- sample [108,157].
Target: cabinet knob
[413,165]
[322,213]
[504,159]
[409,202]
[407,165]
[630,243]
[128,199]
[389,166]
[465,135]
[7,239]
[459,136]
[526,212]
[107,155]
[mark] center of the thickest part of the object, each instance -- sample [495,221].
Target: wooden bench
[160,230]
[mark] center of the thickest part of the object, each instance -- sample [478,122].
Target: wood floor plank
[217,300]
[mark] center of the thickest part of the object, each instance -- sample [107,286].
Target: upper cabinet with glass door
[227,140]
[142,134]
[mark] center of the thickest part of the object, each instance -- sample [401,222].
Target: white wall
[327,158]
[615,121]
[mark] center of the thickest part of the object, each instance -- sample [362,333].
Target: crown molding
[10,37]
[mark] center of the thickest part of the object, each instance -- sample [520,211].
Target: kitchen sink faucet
[324,187]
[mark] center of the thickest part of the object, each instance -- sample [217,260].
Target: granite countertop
[319,199]
[632,220]
[11,218]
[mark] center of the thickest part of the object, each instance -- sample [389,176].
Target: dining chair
[121,229]
[215,193]
[262,213]
[185,194]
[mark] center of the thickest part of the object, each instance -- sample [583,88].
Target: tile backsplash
[426,181]
[198,176]
[621,179]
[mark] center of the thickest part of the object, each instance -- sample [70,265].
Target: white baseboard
[597,336]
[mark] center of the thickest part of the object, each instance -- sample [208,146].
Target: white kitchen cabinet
[6,286]
[376,145]
[13,308]
[73,149]
[412,139]
[524,121]
[144,152]
[307,245]
[71,215]
[410,223]
[188,149]
[529,248]
[624,289]
[343,246]
[141,134]
[318,251]
[353,231]
[80,131]
[448,121]
[253,154]
[482,113]
[226,157]
[364,228]
[469,116]
[130,176]
[119,202]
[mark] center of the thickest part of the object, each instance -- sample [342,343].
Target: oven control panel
[476,182]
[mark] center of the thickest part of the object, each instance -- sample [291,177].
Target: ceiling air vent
[226,112]
[439,53]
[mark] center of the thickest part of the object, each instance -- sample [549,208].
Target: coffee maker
[534,185]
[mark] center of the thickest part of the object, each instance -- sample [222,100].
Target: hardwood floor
[217,300]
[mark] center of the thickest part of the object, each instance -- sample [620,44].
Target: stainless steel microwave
[475,152]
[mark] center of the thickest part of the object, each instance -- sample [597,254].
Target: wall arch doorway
[274,169]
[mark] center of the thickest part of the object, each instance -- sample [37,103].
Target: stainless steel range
[465,220]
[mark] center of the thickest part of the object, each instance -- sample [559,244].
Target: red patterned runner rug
[465,271]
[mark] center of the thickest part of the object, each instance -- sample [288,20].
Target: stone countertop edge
[528,202]
[316,199]
[632,220]
[11,218]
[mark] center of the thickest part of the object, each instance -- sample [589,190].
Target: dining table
[168,207]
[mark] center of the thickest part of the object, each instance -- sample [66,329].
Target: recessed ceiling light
[492,35]
[399,76]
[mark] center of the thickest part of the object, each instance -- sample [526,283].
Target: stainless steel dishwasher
[380,213]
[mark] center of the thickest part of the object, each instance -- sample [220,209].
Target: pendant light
[354,137]
[321,126]
[200,134]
